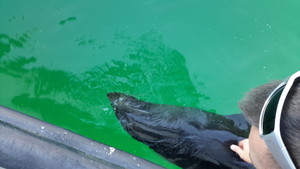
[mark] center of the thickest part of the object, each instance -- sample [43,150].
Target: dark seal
[187,137]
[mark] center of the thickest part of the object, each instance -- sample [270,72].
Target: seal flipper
[188,137]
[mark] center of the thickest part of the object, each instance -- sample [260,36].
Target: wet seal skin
[188,137]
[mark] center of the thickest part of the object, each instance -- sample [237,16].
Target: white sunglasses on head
[269,122]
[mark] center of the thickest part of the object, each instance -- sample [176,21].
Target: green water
[59,59]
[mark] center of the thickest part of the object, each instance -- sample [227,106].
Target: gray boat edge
[27,142]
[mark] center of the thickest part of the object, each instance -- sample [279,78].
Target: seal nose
[121,100]
[114,96]
[118,99]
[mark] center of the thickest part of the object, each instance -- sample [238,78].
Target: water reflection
[7,42]
[86,41]
[62,114]
[149,69]
[15,68]
[153,71]
[70,19]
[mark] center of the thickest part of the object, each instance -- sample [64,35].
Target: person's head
[251,106]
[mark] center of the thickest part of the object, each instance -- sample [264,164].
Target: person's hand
[242,149]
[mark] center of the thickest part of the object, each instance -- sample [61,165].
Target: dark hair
[252,104]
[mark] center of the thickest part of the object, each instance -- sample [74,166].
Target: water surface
[59,59]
